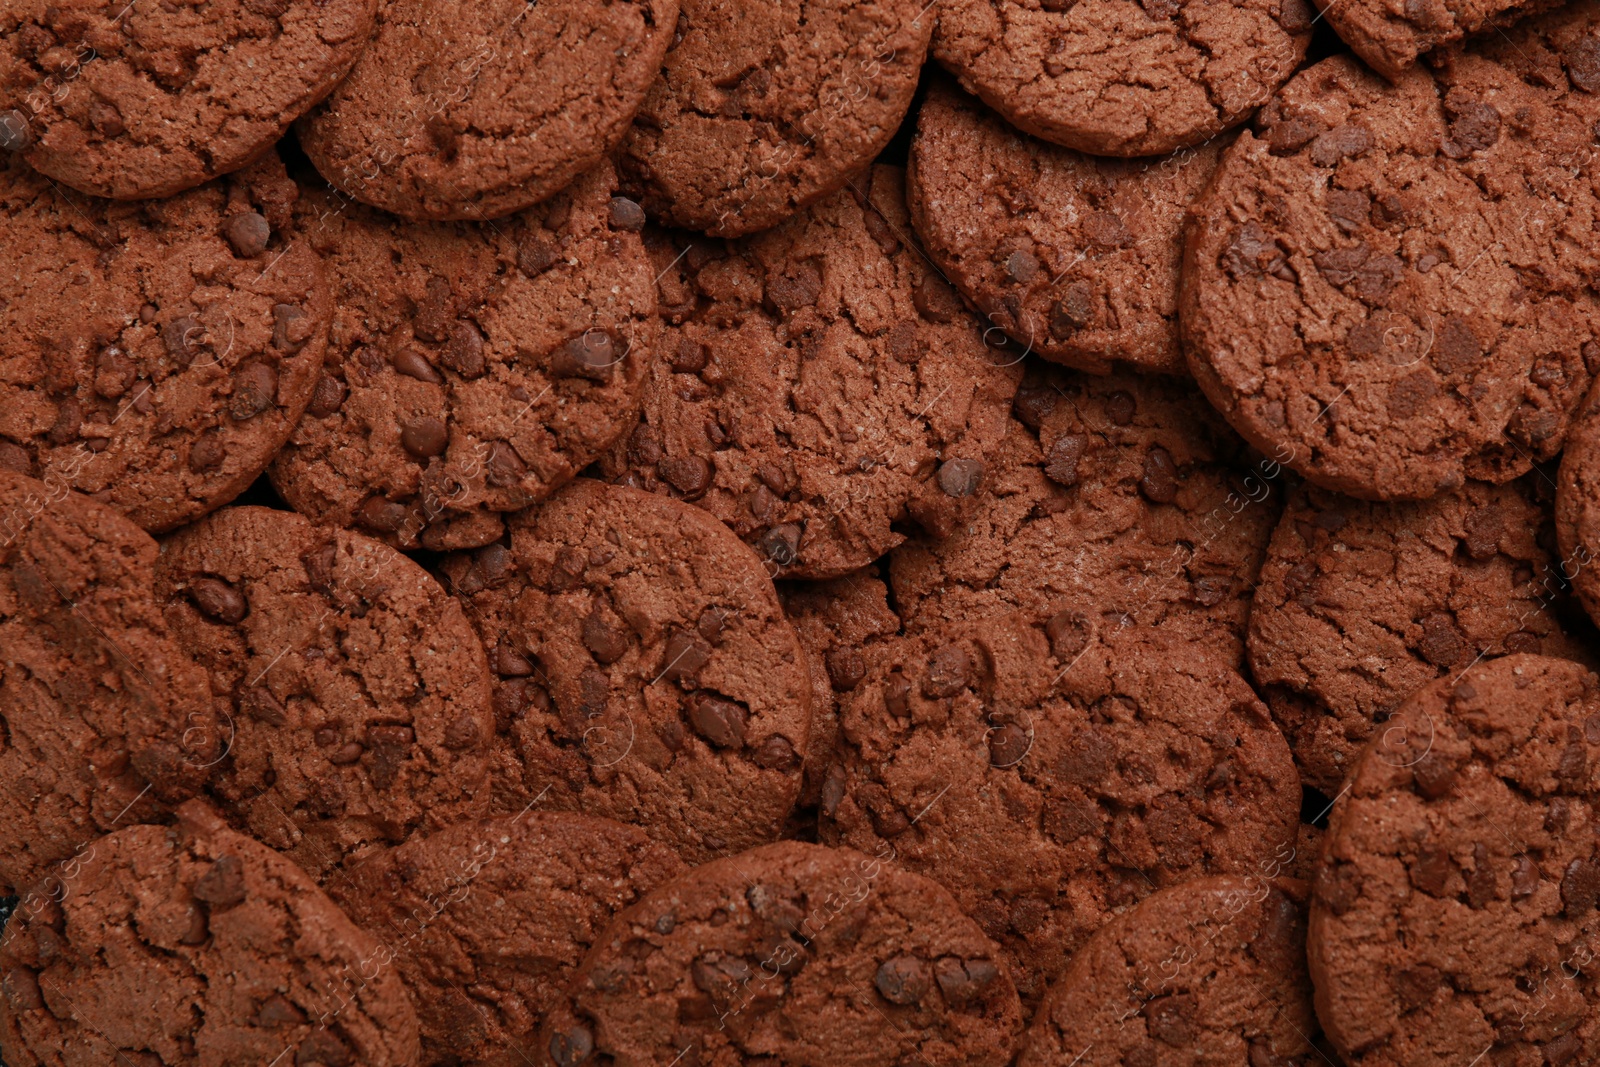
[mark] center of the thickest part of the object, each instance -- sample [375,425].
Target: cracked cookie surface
[104,720]
[1390,37]
[1050,802]
[1387,287]
[820,388]
[358,691]
[1453,913]
[809,955]
[1074,257]
[473,368]
[766,106]
[137,100]
[645,671]
[475,110]
[193,945]
[155,354]
[1577,516]
[1123,77]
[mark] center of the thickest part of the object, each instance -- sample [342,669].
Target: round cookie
[192,944]
[473,368]
[489,918]
[1072,256]
[645,670]
[155,355]
[1577,512]
[1121,508]
[1360,604]
[359,692]
[1390,38]
[766,107]
[1212,971]
[136,101]
[820,387]
[1359,297]
[808,955]
[839,623]
[1454,915]
[1123,77]
[476,110]
[104,721]
[1048,805]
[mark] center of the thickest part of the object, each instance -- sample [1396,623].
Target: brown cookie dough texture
[474,368]
[156,354]
[1577,512]
[1121,508]
[767,106]
[1123,77]
[1390,36]
[791,953]
[193,945]
[136,100]
[1212,971]
[1072,256]
[359,693]
[645,671]
[1048,805]
[1388,288]
[488,919]
[1360,604]
[103,719]
[820,387]
[1454,912]
[475,110]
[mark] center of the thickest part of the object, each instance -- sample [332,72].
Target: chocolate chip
[963,982]
[590,355]
[781,544]
[258,703]
[571,1046]
[1563,1050]
[897,693]
[607,643]
[1288,136]
[223,885]
[1432,871]
[1474,124]
[504,466]
[1171,1019]
[626,214]
[1434,774]
[349,753]
[1106,231]
[537,253]
[961,477]
[1007,745]
[786,293]
[14,132]
[328,396]
[1068,633]
[1295,16]
[463,733]
[776,754]
[380,514]
[218,600]
[719,721]
[904,979]
[509,663]
[1482,886]
[1159,483]
[1343,142]
[248,234]
[278,1011]
[949,671]
[1253,252]
[1061,463]
[185,339]
[1022,266]
[1484,528]
[846,668]
[113,373]
[1456,347]
[1074,311]
[424,437]
[690,357]
[463,352]
[255,389]
[1581,57]
[1525,877]
[689,475]
[1121,407]
[414,364]
[1442,643]
[1580,887]
[686,656]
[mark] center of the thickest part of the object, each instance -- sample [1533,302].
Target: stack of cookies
[656,532]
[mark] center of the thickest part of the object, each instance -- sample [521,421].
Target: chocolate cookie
[1048,805]
[1072,256]
[104,721]
[821,388]
[475,110]
[1577,510]
[1120,77]
[1121,508]
[475,368]
[359,692]
[155,355]
[133,100]
[645,670]
[769,106]
[838,623]
[487,920]
[1361,604]
[1359,294]
[195,945]
[1454,913]
[795,954]
[1391,37]
[1208,972]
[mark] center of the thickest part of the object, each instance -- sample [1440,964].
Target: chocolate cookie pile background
[859,533]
